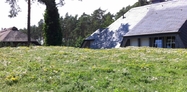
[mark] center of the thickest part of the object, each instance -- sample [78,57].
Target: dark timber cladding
[183,33]
[86,43]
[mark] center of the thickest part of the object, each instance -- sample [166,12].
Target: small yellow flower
[13,79]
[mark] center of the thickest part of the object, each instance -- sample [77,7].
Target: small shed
[13,37]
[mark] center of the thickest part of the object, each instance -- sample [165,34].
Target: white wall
[134,42]
[144,41]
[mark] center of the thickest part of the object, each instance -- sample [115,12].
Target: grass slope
[62,69]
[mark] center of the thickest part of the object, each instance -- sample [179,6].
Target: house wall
[15,44]
[183,34]
[149,40]
[86,44]
[133,42]
[83,45]
[139,41]
[144,41]
[179,43]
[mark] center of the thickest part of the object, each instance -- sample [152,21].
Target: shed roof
[13,35]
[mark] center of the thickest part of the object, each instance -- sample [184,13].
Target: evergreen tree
[52,29]
[108,19]
[69,23]
[142,2]
[97,19]
[40,31]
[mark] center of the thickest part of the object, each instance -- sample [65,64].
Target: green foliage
[62,69]
[143,2]
[108,19]
[75,29]
[35,31]
[52,28]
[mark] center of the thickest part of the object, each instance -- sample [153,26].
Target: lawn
[68,69]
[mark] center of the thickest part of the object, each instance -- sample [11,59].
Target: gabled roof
[166,17]
[112,36]
[13,35]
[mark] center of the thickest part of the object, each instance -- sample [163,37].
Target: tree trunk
[28,22]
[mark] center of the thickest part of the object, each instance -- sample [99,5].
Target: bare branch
[14,8]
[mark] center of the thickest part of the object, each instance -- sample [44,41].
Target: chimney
[14,29]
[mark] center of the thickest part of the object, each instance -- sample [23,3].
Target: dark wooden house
[13,37]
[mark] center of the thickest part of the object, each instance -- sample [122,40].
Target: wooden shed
[13,37]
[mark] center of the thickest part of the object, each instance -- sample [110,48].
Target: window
[170,42]
[158,42]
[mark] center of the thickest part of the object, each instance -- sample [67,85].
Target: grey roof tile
[161,18]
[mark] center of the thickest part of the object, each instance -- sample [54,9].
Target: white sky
[73,7]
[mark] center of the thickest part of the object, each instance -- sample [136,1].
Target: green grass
[67,69]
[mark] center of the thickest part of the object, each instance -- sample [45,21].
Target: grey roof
[13,35]
[155,18]
[163,17]
[108,38]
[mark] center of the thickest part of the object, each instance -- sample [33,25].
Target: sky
[73,7]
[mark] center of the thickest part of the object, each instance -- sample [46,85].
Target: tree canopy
[15,9]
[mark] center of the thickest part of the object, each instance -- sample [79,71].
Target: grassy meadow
[68,69]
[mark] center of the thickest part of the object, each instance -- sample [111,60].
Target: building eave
[150,34]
